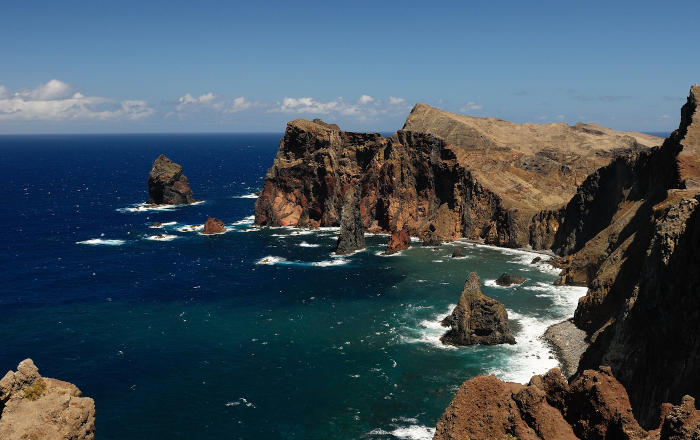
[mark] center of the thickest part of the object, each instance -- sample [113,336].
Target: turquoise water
[249,334]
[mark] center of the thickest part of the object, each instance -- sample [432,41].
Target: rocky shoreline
[568,343]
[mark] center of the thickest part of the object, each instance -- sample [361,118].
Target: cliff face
[35,407]
[471,186]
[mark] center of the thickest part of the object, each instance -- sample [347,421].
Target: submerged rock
[535,260]
[35,407]
[398,241]
[477,319]
[213,226]
[352,232]
[167,185]
[507,279]
[458,252]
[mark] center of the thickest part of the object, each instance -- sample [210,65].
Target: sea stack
[477,319]
[507,279]
[352,231]
[35,407]
[167,185]
[398,241]
[213,226]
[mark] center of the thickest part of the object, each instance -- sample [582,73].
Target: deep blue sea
[256,333]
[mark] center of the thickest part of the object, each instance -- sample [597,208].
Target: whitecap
[271,260]
[333,262]
[190,228]
[308,245]
[161,225]
[492,283]
[102,241]
[247,196]
[244,221]
[145,207]
[395,254]
[161,237]
[429,331]
[411,432]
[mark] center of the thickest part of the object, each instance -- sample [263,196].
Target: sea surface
[255,333]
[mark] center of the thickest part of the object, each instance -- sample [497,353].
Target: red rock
[214,226]
[398,241]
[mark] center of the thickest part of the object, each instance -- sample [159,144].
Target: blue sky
[156,66]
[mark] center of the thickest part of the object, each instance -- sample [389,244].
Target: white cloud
[396,101]
[56,101]
[188,104]
[365,99]
[471,106]
[240,104]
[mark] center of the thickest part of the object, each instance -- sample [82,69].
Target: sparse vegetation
[35,390]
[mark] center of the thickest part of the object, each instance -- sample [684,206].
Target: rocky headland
[167,185]
[444,176]
[477,319]
[35,407]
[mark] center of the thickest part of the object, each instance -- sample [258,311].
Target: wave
[247,196]
[429,331]
[308,245]
[190,228]
[161,225]
[146,207]
[102,241]
[272,260]
[395,254]
[333,262]
[244,221]
[410,432]
[161,237]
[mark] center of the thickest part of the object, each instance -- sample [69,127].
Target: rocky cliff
[167,185]
[441,177]
[35,407]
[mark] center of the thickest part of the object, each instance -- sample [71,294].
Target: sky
[183,66]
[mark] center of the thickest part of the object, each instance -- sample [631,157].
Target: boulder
[477,319]
[167,185]
[458,252]
[213,226]
[398,241]
[507,279]
[352,232]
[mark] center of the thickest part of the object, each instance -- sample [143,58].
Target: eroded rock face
[352,232]
[35,407]
[506,279]
[167,185]
[477,319]
[592,406]
[214,226]
[398,241]
[472,186]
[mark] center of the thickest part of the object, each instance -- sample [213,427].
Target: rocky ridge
[35,407]
[167,185]
[477,319]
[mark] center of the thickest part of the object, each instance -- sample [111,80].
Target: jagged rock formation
[398,241]
[489,182]
[352,232]
[167,185]
[477,319]
[506,279]
[213,226]
[35,407]
[632,234]
[593,405]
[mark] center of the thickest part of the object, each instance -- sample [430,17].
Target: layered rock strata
[35,407]
[167,185]
[440,177]
[477,319]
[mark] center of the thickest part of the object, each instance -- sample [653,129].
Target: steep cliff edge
[476,185]
[35,407]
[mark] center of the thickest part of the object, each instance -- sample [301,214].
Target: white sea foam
[411,432]
[102,241]
[271,260]
[245,221]
[161,237]
[492,283]
[395,254]
[333,262]
[145,207]
[190,228]
[429,331]
[161,225]
[308,245]
[247,196]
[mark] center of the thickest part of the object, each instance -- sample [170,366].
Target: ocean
[256,333]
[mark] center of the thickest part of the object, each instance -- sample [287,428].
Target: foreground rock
[37,408]
[398,241]
[477,319]
[507,279]
[632,235]
[442,177]
[594,405]
[167,185]
[352,232]
[214,226]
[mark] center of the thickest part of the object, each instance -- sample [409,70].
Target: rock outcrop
[35,407]
[506,279]
[398,241]
[442,177]
[167,185]
[214,226]
[458,252]
[591,406]
[351,237]
[477,319]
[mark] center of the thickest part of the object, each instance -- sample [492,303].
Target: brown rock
[507,279]
[167,185]
[477,319]
[398,241]
[214,226]
[33,407]
[351,237]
